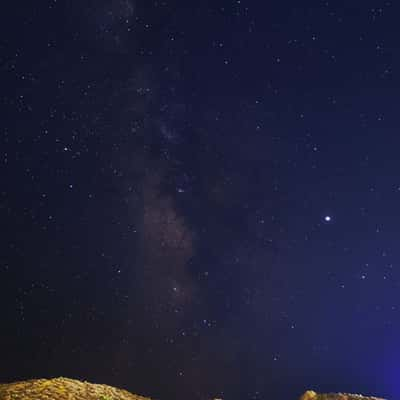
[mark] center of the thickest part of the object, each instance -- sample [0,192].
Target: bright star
[327,218]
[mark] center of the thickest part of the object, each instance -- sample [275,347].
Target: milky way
[200,199]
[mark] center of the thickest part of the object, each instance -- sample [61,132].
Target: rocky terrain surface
[311,395]
[71,389]
[63,389]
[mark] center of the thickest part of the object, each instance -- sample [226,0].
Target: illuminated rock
[63,389]
[71,389]
[311,395]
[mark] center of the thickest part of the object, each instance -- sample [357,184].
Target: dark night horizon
[200,199]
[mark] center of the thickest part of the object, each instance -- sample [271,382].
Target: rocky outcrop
[71,389]
[63,389]
[311,395]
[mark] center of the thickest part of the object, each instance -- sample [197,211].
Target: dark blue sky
[167,173]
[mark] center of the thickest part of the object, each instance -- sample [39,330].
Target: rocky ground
[311,395]
[71,389]
[63,389]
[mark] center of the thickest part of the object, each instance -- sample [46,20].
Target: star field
[200,199]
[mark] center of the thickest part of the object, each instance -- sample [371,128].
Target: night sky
[201,199]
